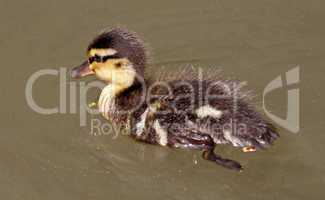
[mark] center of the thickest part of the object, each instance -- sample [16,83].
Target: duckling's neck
[115,99]
[107,98]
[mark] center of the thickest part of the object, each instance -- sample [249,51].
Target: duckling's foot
[230,164]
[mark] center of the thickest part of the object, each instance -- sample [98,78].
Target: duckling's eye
[98,58]
[118,64]
[105,58]
[91,59]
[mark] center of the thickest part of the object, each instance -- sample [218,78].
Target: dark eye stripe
[104,58]
[101,59]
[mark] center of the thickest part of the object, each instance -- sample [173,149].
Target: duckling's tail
[269,135]
[250,129]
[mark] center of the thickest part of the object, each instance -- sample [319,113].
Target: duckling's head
[117,57]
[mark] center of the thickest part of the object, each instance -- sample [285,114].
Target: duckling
[191,113]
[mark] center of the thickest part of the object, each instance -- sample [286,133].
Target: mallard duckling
[192,114]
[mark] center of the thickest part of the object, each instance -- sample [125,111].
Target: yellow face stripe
[102,52]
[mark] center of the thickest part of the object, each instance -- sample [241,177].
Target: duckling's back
[215,108]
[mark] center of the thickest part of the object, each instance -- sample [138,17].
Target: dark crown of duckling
[178,113]
[126,44]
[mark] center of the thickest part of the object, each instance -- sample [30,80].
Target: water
[52,157]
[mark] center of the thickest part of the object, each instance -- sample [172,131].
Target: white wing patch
[206,111]
[162,134]
[141,124]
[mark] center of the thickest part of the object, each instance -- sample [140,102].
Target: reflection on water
[52,157]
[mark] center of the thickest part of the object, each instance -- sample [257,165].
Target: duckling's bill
[81,70]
